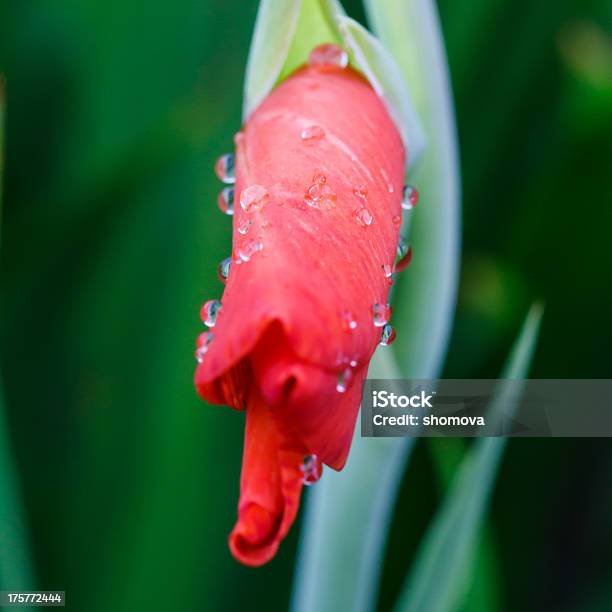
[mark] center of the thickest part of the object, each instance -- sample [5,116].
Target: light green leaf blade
[441,569]
[274,31]
[348,514]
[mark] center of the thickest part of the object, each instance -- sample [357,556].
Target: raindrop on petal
[244,226]
[387,335]
[404,256]
[248,249]
[225,201]
[344,379]
[397,220]
[311,469]
[410,197]
[320,195]
[209,312]
[254,198]
[382,314]
[363,216]
[312,133]
[225,168]
[223,269]
[328,56]
[203,342]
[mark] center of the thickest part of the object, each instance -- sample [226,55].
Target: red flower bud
[319,177]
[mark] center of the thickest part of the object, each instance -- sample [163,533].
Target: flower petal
[270,486]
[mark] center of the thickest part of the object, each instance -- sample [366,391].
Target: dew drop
[225,201]
[397,220]
[403,257]
[348,321]
[328,56]
[387,335]
[320,195]
[312,133]
[353,363]
[223,269]
[225,168]
[254,198]
[382,314]
[361,191]
[387,270]
[209,312]
[363,216]
[244,226]
[410,197]
[203,342]
[311,470]
[248,249]
[344,379]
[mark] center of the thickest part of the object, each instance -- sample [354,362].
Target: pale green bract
[285,33]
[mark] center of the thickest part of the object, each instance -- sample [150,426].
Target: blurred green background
[115,114]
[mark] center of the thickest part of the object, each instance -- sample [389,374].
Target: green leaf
[348,514]
[441,570]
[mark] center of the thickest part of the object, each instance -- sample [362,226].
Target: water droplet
[254,198]
[311,470]
[223,269]
[397,220]
[245,226]
[328,56]
[348,321]
[312,133]
[203,342]
[353,363]
[344,379]
[225,201]
[387,335]
[404,256]
[209,312]
[225,168]
[363,216]
[382,314]
[320,195]
[410,197]
[361,191]
[388,272]
[248,249]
